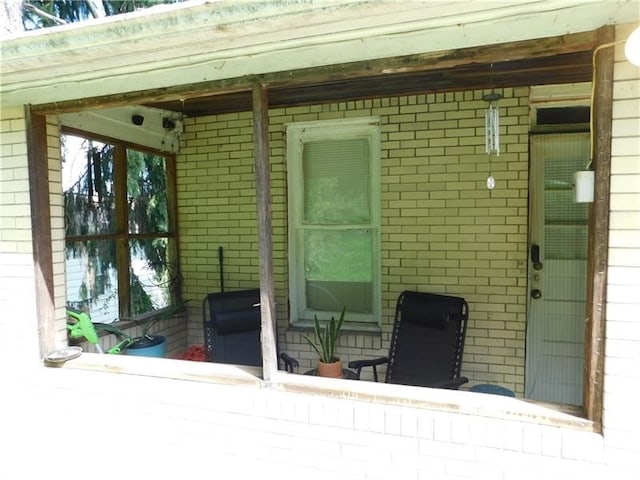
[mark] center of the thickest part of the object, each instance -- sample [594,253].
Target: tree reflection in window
[119,243]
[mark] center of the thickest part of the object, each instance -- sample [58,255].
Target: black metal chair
[426,344]
[232,326]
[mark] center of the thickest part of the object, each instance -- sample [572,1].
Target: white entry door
[557,270]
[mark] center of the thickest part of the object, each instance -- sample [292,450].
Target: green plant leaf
[327,337]
[312,343]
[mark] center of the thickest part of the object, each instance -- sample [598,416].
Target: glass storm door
[557,270]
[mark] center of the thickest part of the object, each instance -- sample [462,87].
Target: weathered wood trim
[110,236]
[265,241]
[38,165]
[526,49]
[424,62]
[122,227]
[173,254]
[599,229]
[107,139]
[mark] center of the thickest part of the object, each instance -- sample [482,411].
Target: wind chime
[492,131]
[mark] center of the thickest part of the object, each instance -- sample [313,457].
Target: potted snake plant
[329,365]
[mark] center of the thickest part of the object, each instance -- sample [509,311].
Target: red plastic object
[195,353]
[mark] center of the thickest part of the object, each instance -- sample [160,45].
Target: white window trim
[297,133]
[431,399]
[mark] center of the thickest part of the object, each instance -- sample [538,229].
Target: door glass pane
[92,279]
[87,181]
[147,193]
[153,279]
[565,220]
[339,270]
[336,182]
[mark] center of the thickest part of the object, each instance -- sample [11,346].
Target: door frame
[601,112]
[598,247]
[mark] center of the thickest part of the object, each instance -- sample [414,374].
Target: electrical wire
[593,92]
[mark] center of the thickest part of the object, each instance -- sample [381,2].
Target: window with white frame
[334,220]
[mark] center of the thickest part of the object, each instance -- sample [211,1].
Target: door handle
[536,294]
[535,257]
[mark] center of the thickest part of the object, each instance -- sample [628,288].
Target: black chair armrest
[290,363]
[358,365]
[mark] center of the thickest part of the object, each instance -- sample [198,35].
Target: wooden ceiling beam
[475,57]
[567,68]
[481,55]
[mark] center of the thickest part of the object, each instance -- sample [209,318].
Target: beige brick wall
[17,280]
[15,236]
[54,155]
[216,208]
[442,230]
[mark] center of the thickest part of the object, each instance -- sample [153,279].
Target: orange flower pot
[331,370]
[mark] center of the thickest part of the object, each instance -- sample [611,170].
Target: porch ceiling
[119,60]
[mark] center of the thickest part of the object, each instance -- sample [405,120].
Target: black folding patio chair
[232,324]
[426,344]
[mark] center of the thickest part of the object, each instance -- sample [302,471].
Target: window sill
[351,327]
[448,401]
[166,368]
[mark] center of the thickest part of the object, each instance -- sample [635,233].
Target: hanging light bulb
[492,132]
[632,47]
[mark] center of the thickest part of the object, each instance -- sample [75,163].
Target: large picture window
[334,219]
[120,241]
